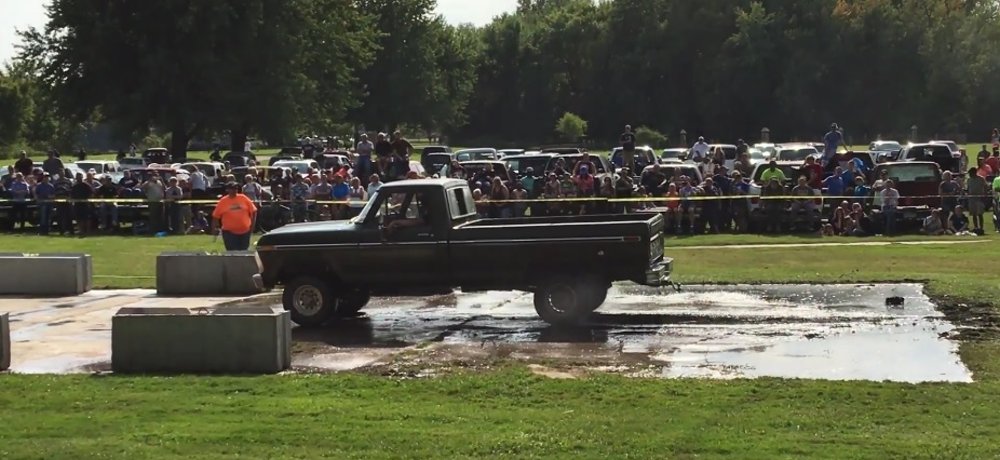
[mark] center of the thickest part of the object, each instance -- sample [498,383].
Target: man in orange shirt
[235,215]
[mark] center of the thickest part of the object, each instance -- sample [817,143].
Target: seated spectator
[862,221]
[807,194]
[482,207]
[654,181]
[958,222]
[199,224]
[932,225]
[841,218]
[773,172]
[814,172]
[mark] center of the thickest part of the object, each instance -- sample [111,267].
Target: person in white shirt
[199,184]
[374,184]
[699,151]
[890,201]
[252,189]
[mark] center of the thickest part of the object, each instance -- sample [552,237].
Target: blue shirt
[44,191]
[847,179]
[832,140]
[19,191]
[862,191]
[834,186]
[341,190]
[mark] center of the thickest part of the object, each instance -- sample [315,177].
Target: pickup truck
[423,237]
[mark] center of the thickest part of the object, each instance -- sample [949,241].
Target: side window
[458,205]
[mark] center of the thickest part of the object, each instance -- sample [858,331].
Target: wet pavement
[841,332]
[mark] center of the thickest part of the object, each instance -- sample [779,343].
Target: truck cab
[422,237]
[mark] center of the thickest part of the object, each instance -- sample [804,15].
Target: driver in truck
[420,218]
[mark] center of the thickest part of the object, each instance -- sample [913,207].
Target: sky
[21,14]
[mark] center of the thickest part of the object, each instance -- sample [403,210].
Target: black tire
[567,301]
[310,301]
[597,300]
[352,302]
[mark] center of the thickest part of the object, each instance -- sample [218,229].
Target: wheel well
[299,268]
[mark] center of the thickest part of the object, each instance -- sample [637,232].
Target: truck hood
[333,232]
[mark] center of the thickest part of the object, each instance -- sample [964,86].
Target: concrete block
[46,274]
[4,341]
[201,274]
[231,340]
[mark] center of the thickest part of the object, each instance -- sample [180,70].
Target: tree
[645,135]
[571,127]
[215,64]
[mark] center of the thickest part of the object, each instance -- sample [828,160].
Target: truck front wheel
[310,301]
[565,301]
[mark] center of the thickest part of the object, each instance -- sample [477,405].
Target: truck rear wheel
[310,301]
[565,301]
[352,302]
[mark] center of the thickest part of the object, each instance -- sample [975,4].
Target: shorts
[976,206]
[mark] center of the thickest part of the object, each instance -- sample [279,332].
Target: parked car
[164,171]
[792,171]
[504,153]
[499,169]
[918,183]
[214,171]
[673,155]
[758,156]
[234,159]
[334,161]
[519,164]
[565,261]
[888,149]
[156,156]
[437,163]
[768,148]
[601,164]
[111,169]
[797,152]
[944,156]
[564,150]
[434,149]
[133,163]
[477,154]
[957,152]
[300,167]
[644,156]
[730,152]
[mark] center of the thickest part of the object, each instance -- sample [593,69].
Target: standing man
[832,141]
[44,192]
[627,140]
[53,165]
[154,191]
[19,193]
[383,150]
[365,148]
[24,165]
[235,215]
[401,150]
[699,151]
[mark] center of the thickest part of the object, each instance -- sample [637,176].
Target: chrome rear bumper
[659,274]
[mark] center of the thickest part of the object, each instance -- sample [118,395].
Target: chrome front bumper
[659,274]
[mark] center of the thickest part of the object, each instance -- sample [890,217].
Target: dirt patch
[977,321]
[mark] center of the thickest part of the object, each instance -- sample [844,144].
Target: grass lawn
[511,413]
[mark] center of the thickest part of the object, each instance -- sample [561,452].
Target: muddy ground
[842,332]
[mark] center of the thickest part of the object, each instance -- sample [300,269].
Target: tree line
[719,68]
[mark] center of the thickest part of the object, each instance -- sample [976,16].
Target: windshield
[757,154]
[299,167]
[521,164]
[796,154]
[86,166]
[885,147]
[570,163]
[902,172]
[363,216]
[672,154]
[474,155]
[642,158]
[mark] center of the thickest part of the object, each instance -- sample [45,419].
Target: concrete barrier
[4,342]
[46,274]
[201,274]
[231,340]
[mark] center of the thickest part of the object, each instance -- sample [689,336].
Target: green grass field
[511,413]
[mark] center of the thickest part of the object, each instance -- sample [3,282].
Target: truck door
[405,240]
